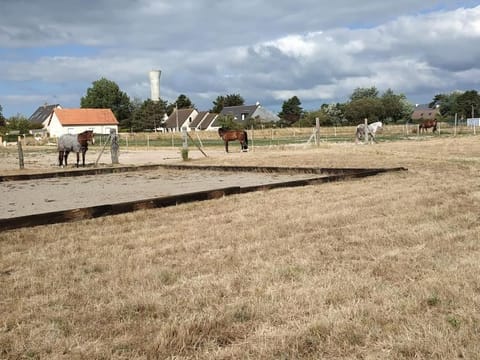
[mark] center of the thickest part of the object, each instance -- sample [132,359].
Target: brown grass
[385,267]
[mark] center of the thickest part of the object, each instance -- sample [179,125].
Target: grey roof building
[43,114]
[242,113]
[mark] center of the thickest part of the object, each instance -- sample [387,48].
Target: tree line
[139,115]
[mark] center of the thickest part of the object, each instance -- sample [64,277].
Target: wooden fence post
[455,126]
[20,154]
[114,146]
[252,137]
[366,131]
[185,144]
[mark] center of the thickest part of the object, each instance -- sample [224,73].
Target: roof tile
[86,117]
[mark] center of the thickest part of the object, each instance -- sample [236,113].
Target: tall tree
[291,111]
[2,119]
[468,104]
[182,102]
[448,103]
[20,123]
[106,94]
[371,108]
[395,106]
[335,113]
[229,100]
[361,93]
[148,115]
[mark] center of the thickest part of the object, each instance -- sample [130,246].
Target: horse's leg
[65,157]
[60,158]
[78,158]
[83,157]
[226,146]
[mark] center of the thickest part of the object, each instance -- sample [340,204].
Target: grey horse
[74,143]
[371,131]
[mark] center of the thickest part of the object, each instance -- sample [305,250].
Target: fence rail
[284,136]
[266,137]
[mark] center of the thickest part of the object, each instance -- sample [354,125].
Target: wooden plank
[112,209]
[125,207]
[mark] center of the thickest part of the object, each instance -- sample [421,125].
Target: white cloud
[265,51]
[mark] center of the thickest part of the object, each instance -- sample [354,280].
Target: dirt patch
[27,197]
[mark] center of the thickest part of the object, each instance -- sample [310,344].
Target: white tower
[154,76]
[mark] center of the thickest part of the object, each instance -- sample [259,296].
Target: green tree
[395,106]
[19,123]
[309,119]
[148,115]
[2,118]
[371,108]
[291,111]
[182,102]
[361,93]
[335,113]
[447,102]
[229,100]
[227,122]
[468,104]
[105,94]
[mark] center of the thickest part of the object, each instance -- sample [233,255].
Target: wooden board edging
[112,209]
[130,206]
[120,169]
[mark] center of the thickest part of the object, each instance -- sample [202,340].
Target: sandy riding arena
[381,267]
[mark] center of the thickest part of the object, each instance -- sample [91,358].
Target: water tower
[154,76]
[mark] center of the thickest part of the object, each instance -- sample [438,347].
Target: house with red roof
[75,121]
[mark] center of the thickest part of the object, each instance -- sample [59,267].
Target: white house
[43,114]
[242,113]
[74,121]
[181,118]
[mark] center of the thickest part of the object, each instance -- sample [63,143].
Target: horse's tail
[245,134]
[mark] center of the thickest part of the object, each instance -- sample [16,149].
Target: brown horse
[76,143]
[231,135]
[426,124]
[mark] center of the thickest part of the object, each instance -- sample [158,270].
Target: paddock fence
[284,136]
[273,137]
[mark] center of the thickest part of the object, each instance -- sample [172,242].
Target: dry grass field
[384,267]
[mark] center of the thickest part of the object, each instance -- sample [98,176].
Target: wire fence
[285,136]
[264,137]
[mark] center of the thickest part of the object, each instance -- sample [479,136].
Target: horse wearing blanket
[74,143]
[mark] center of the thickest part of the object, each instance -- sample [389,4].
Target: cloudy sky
[268,51]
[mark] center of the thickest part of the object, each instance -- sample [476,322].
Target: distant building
[43,114]
[424,112]
[242,113]
[180,118]
[191,120]
[75,121]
